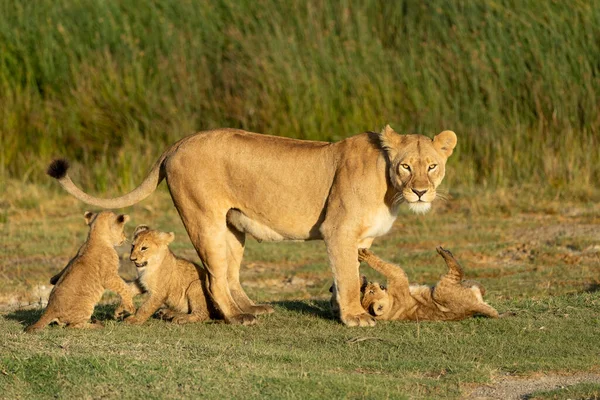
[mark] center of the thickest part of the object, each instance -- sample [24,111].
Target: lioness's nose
[419,192]
[132,258]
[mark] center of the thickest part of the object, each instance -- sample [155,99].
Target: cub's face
[149,247]
[108,225]
[375,299]
[417,165]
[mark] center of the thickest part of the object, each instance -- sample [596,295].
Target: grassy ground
[539,260]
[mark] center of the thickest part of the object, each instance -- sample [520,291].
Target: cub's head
[107,225]
[417,165]
[375,298]
[149,246]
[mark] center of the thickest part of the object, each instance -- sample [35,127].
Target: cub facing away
[80,285]
[177,283]
[451,299]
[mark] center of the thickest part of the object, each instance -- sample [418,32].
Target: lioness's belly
[262,232]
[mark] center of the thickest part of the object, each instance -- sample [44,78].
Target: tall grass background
[109,84]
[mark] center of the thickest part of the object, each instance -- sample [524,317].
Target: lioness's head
[149,246]
[375,298]
[107,225]
[417,165]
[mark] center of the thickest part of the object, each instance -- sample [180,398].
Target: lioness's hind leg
[235,251]
[209,239]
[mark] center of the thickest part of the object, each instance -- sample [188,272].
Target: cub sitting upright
[80,285]
[451,299]
[175,282]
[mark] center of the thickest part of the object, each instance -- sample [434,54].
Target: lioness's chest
[379,222]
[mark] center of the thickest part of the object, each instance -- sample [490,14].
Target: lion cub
[451,299]
[173,281]
[80,285]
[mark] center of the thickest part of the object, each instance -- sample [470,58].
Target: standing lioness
[228,183]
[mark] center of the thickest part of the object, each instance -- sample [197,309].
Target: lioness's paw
[363,319]
[260,309]
[241,319]
[363,254]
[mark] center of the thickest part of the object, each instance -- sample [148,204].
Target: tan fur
[228,183]
[172,281]
[80,285]
[451,299]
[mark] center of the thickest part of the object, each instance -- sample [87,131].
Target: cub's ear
[445,142]
[167,237]
[390,142]
[89,217]
[122,219]
[139,229]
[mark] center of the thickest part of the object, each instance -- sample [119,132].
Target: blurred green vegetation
[109,84]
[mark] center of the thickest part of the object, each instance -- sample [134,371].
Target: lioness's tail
[58,170]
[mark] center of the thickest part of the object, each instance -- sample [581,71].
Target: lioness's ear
[445,142]
[390,141]
[167,237]
[122,219]
[89,217]
[139,229]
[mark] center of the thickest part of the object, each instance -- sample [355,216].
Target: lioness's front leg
[342,257]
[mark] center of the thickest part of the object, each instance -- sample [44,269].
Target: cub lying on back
[80,285]
[175,282]
[451,299]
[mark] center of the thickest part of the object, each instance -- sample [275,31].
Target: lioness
[170,280]
[228,183]
[451,299]
[79,286]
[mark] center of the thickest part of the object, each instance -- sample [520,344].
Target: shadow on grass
[27,317]
[592,288]
[318,308]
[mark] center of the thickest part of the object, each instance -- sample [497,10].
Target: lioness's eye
[405,166]
[144,248]
[432,167]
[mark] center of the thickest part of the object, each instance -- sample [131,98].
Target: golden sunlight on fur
[227,184]
[451,299]
[177,283]
[80,285]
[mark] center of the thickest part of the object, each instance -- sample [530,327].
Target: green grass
[109,85]
[539,262]
[297,353]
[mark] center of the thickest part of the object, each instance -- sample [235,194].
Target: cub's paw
[363,319]
[241,319]
[363,254]
[132,320]
[123,311]
[164,314]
